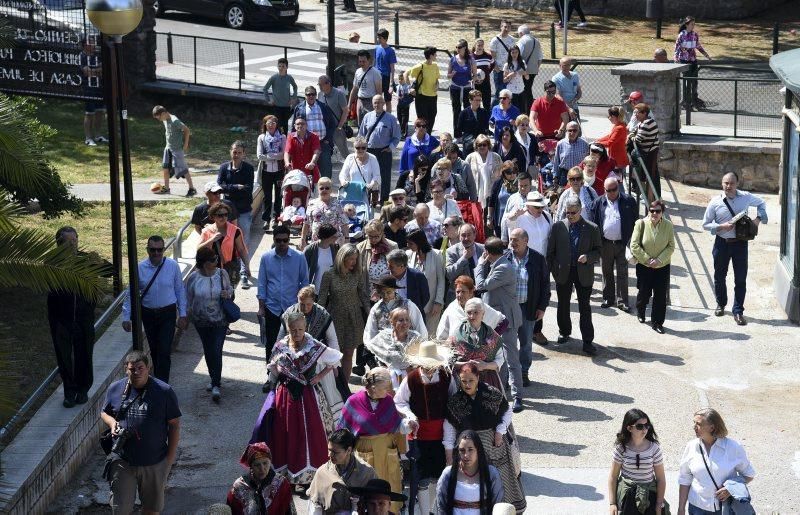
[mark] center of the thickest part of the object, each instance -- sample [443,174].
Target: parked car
[237,14]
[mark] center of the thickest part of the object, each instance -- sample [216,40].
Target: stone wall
[703,160]
[673,9]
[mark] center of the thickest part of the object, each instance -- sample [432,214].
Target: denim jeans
[499,85]
[385,165]
[525,334]
[325,156]
[213,338]
[694,510]
[244,222]
[724,253]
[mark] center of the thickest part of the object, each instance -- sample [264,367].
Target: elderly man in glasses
[569,152]
[614,213]
[572,250]
[577,189]
[322,121]
[163,299]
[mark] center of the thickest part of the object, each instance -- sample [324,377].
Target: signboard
[55,52]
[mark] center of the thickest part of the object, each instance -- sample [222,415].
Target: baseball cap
[635,96]
[212,186]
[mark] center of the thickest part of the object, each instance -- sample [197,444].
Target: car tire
[235,16]
[158,5]
[292,21]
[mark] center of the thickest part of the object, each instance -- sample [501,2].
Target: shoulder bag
[230,309]
[408,98]
[152,279]
[746,228]
[708,469]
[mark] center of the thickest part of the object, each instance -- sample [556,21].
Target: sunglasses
[361,148]
[655,211]
[505,98]
[324,188]
[483,145]
[642,427]
[311,94]
[575,179]
[420,126]
[221,215]
[572,130]
[611,190]
[281,240]
[572,213]
[155,250]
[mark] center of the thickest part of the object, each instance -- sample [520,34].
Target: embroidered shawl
[480,345]
[359,417]
[483,412]
[317,321]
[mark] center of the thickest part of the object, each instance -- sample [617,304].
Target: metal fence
[731,106]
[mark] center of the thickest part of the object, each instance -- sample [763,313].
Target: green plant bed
[78,163]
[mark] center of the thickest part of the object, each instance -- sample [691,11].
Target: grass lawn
[23,320]
[606,36]
[78,163]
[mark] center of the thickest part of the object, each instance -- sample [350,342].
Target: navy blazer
[538,285]
[330,120]
[627,214]
[468,125]
[417,290]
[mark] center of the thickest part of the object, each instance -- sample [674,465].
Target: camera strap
[127,402]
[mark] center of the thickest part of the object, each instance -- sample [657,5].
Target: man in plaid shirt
[570,152]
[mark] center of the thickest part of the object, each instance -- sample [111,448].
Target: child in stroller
[294,214]
[295,186]
[547,175]
[354,222]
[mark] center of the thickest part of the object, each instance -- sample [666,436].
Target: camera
[122,436]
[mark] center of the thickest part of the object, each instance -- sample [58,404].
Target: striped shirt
[484,62]
[647,460]
[522,276]
[646,135]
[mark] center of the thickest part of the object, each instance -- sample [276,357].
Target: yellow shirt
[430,78]
[650,241]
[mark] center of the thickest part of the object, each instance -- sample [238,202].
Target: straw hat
[428,353]
[535,199]
[504,508]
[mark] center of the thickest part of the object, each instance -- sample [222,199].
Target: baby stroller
[296,184]
[356,193]
[547,176]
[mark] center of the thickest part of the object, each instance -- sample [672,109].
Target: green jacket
[625,485]
[647,243]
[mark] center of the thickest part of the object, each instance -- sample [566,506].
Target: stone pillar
[658,84]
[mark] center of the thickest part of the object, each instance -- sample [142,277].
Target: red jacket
[615,141]
[301,151]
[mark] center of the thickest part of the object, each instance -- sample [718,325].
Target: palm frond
[8,211]
[30,259]
[21,164]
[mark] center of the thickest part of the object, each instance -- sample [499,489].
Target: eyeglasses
[361,148]
[311,94]
[575,179]
[398,197]
[420,126]
[505,98]
[572,130]
[221,215]
[324,188]
[155,250]
[437,191]
[654,211]
[611,190]
[573,213]
[642,427]
[281,240]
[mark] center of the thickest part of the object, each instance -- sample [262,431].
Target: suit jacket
[456,265]
[498,281]
[627,214]
[538,285]
[559,252]
[311,253]
[468,126]
[417,290]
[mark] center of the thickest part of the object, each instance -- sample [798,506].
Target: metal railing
[35,397]
[731,106]
[636,157]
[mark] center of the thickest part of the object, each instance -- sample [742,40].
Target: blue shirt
[567,86]
[384,58]
[502,118]
[385,134]
[167,288]
[718,213]
[150,410]
[280,278]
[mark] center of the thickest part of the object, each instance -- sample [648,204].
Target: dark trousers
[459,100]
[564,294]
[402,119]
[528,100]
[426,108]
[612,254]
[73,343]
[575,5]
[272,325]
[650,160]
[159,327]
[271,186]
[385,165]
[725,252]
[519,100]
[213,338]
[690,86]
[325,157]
[655,282]
[485,88]
[283,114]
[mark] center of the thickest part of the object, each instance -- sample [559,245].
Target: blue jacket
[331,120]
[739,501]
[627,214]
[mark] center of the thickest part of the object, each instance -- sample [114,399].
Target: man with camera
[724,213]
[143,416]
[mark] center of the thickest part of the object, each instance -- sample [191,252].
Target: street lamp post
[116,18]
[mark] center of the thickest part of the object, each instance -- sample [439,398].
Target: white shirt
[402,397]
[371,171]
[612,224]
[449,438]
[324,263]
[538,229]
[726,459]
[455,314]
[449,208]
[371,327]
[402,286]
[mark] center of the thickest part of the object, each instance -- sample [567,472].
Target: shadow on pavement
[534,446]
[705,335]
[567,412]
[551,391]
[539,485]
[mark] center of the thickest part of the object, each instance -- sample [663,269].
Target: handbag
[746,229]
[230,310]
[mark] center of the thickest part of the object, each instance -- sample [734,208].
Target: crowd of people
[434,306]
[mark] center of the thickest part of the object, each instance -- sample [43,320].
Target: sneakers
[215,394]
[191,193]
[209,387]
[90,142]
[246,283]
[583,24]
[163,191]
[101,139]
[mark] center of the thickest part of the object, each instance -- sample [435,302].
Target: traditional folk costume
[454,314]
[248,496]
[296,417]
[482,344]
[390,352]
[423,398]
[488,412]
[379,428]
[328,492]
[378,318]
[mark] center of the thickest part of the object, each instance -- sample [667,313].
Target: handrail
[638,157]
[36,395]
[177,251]
[240,42]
